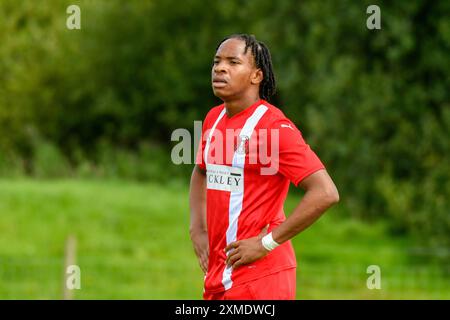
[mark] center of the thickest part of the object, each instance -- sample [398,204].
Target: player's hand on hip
[246,251]
[201,248]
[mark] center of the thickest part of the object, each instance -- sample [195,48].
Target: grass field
[133,243]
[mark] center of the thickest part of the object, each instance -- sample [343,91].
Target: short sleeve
[296,159]
[200,159]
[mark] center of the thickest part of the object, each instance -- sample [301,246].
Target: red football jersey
[250,160]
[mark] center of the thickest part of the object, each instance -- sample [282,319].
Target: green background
[86,118]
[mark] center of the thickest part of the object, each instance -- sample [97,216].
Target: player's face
[234,72]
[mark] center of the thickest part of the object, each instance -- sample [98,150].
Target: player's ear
[257,76]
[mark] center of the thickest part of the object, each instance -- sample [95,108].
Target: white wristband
[268,242]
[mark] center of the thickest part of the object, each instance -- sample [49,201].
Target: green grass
[133,243]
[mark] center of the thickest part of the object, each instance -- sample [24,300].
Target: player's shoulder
[214,113]
[275,118]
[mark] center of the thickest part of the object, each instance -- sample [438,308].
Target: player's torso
[241,200]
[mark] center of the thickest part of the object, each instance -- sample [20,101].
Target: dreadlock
[263,61]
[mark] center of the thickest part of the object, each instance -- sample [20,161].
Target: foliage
[374,104]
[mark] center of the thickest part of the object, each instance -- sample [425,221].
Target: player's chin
[221,93]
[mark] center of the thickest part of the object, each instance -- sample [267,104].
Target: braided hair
[263,61]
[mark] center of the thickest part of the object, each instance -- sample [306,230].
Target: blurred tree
[374,104]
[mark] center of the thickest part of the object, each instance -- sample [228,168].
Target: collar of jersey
[245,111]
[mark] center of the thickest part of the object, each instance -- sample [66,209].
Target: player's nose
[219,68]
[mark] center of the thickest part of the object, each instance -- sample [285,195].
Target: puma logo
[287,126]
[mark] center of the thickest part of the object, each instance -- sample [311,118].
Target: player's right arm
[198,227]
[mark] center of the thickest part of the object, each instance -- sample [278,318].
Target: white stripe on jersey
[208,141]
[237,197]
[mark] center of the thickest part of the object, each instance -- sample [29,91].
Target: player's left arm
[320,194]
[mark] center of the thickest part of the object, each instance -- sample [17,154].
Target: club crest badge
[242,145]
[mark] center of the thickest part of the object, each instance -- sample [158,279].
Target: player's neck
[235,106]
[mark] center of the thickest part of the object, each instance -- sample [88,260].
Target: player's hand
[246,251]
[201,248]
